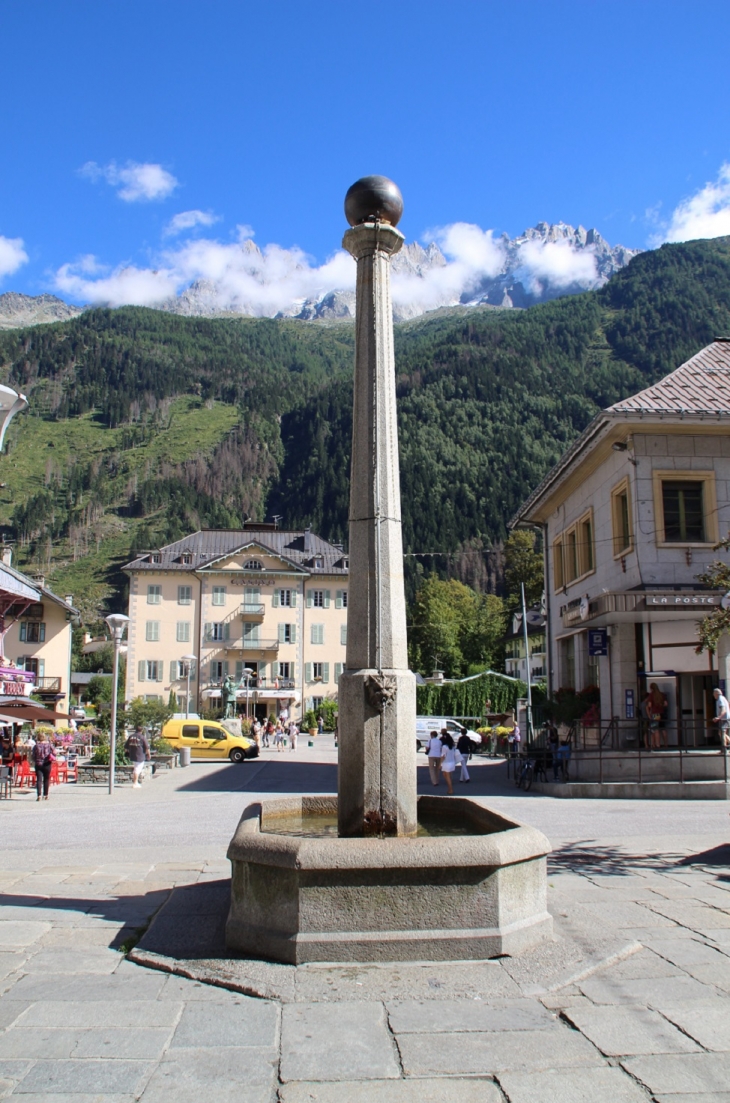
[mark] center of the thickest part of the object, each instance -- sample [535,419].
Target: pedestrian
[293,735]
[722,716]
[655,705]
[43,758]
[448,761]
[433,750]
[553,742]
[256,733]
[284,715]
[320,724]
[137,750]
[464,748]
[279,737]
[514,738]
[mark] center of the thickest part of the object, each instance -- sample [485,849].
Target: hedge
[467,698]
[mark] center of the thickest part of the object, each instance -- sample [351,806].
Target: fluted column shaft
[377,775]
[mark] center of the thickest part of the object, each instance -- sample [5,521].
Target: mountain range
[544,263]
[144,425]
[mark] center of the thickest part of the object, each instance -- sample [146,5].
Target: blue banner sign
[597,641]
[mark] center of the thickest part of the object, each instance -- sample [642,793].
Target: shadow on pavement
[270,777]
[192,924]
[595,859]
[133,912]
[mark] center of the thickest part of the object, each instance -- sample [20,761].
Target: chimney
[69,599]
[7,556]
[308,542]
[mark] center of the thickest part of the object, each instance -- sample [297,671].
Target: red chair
[24,776]
[54,773]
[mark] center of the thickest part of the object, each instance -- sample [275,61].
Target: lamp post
[117,623]
[188,660]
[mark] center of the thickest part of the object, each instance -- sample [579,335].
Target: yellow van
[207,739]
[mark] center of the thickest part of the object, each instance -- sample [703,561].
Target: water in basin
[318,825]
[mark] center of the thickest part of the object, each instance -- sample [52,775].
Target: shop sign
[629,704]
[597,642]
[681,600]
[14,689]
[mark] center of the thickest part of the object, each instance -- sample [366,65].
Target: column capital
[370,238]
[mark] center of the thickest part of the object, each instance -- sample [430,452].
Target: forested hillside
[145,425]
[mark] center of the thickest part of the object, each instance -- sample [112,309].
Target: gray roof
[15,582]
[699,386]
[207,546]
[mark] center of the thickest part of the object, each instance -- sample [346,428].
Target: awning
[16,713]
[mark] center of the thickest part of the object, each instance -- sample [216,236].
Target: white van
[427,724]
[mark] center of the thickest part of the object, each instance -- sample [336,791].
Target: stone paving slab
[92,1077]
[624,1031]
[686,952]
[717,974]
[604,1085]
[145,986]
[17,934]
[342,1041]
[101,1013]
[480,1054]
[228,1075]
[395,1091]
[708,1024]
[247,1022]
[664,990]
[452,1016]
[90,960]
[644,965]
[674,1073]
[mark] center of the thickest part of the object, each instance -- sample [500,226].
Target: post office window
[586,554]
[623,533]
[686,507]
[558,565]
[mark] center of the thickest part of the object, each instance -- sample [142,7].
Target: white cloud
[139,182]
[188,220]
[242,278]
[12,255]
[704,214]
[555,264]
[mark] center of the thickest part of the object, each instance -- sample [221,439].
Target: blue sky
[120,116]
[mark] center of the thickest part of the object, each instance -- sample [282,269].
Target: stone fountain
[403,878]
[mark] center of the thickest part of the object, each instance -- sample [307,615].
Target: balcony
[48,685]
[250,643]
[252,610]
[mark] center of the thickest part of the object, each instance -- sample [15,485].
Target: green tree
[99,690]
[150,715]
[523,564]
[452,628]
[717,577]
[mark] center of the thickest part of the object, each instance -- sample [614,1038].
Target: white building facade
[629,518]
[263,606]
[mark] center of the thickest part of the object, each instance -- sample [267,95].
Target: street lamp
[188,660]
[117,623]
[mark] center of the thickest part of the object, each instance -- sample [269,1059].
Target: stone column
[377,692]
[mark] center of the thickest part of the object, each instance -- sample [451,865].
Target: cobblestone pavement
[83,875]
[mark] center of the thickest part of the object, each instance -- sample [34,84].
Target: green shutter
[327,595]
[142,670]
[307,672]
[207,631]
[274,670]
[173,670]
[275,599]
[292,671]
[343,635]
[293,599]
[225,669]
[226,631]
[338,672]
[309,599]
[160,671]
[262,670]
[293,633]
[338,599]
[281,633]
[325,672]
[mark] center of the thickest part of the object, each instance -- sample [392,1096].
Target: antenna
[277,517]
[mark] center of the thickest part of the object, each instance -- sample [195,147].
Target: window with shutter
[327,595]
[261,671]
[142,670]
[282,629]
[160,672]
[275,599]
[219,595]
[23,631]
[310,598]
[174,670]
[184,595]
[225,669]
[338,599]
[293,599]
[293,638]
[183,631]
[343,635]
[325,672]
[338,671]
[207,631]
[307,672]
[317,633]
[274,670]
[152,631]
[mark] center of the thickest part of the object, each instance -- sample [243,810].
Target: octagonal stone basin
[443,897]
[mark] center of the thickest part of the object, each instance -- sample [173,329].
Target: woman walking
[43,757]
[464,748]
[293,735]
[448,761]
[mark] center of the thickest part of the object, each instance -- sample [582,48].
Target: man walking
[464,749]
[722,717]
[137,750]
[434,751]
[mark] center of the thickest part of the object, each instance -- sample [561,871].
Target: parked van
[207,739]
[427,724]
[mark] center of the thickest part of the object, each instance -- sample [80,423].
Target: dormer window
[186,558]
[253,565]
[318,562]
[345,564]
[155,557]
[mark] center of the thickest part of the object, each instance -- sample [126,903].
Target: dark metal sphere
[373,197]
